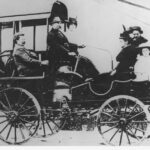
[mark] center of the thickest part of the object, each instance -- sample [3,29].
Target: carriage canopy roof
[16,10]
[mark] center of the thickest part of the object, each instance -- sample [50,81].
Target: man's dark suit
[27,63]
[59,47]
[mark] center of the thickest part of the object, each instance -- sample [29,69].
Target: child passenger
[142,66]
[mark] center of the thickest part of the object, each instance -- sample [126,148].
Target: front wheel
[19,115]
[123,120]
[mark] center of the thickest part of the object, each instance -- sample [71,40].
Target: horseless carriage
[120,109]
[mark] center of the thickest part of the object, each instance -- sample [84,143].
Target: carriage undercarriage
[121,114]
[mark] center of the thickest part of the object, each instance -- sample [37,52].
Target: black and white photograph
[74,73]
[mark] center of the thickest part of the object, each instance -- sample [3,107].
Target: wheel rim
[123,120]
[52,120]
[19,115]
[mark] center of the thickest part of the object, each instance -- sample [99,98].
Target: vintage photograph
[74,72]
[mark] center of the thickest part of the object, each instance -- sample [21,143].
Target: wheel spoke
[49,127]
[4,106]
[125,106]
[3,121]
[22,134]
[30,133]
[20,96]
[9,132]
[117,101]
[27,109]
[139,122]
[3,116]
[43,127]
[108,122]
[108,114]
[7,101]
[128,138]
[135,128]
[29,115]
[133,133]
[138,129]
[54,123]
[132,110]
[33,124]
[121,137]
[4,128]
[110,129]
[24,104]
[136,115]
[24,120]
[113,135]
[113,110]
[15,132]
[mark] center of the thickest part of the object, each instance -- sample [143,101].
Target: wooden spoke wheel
[123,120]
[19,115]
[52,120]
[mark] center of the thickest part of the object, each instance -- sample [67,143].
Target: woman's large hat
[72,21]
[131,29]
[124,35]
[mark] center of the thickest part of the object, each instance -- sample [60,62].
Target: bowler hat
[131,29]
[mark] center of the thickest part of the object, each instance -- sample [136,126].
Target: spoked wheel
[123,120]
[19,115]
[52,120]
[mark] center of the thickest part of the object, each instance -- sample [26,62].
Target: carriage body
[27,104]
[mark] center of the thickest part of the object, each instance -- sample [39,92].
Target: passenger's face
[145,52]
[135,35]
[56,25]
[21,41]
[72,27]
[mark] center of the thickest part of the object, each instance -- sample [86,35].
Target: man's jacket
[26,62]
[59,45]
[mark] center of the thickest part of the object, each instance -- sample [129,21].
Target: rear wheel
[53,119]
[19,115]
[123,120]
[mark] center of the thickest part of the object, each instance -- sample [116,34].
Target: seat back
[10,67]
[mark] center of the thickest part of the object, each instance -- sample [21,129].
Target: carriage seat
[10,67]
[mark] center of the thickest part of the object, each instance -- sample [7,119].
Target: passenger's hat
[56,20]
[73,21]
[124,35]
[131,29]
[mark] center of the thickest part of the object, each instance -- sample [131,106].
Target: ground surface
[70,138]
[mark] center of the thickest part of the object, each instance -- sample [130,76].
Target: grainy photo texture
[74,72]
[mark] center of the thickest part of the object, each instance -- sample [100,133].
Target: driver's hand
[72,53]
[81,46]
[45,62]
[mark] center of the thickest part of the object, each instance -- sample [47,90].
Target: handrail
[23,78]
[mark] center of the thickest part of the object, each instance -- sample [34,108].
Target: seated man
[142,66]
[27,64]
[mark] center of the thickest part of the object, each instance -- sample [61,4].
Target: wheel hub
[122,122]
[12,115]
